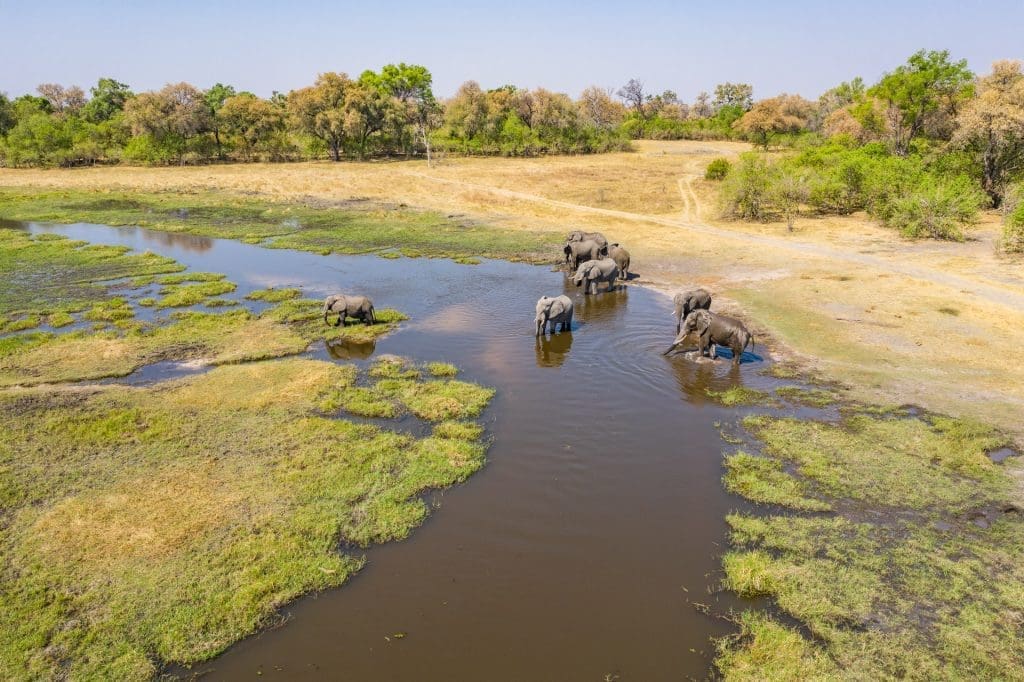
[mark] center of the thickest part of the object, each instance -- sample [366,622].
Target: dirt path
[996,295]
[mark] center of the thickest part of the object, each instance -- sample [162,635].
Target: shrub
[1013,223]
[747,188]
[717,169]
[934,208]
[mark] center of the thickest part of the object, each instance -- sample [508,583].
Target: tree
[992,126]
[108,98]
[701,106]
[733,95]
[63,101]
[633,94]
[171,117]
[215,98]
[410,85]
[7,119]
[319,110]
[782,114]
[466,113]
[927,85]
[253,121]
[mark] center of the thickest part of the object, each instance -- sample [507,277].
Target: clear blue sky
[800,46]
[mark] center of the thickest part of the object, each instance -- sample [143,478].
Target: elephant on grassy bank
[552,311]
[581,252]
[580,236]
[687,301]
[714,330]
[592,272]
[357,307]
[621,258]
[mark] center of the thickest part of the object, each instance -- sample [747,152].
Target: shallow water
[582,547]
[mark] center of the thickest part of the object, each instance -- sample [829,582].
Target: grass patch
[442,369]
[762,480]
[178,518]
[305,315]
[272,295]
[920,573]
[739,395]
[20,325]
[459,430]
[184,295]
[111,310]
[290,225]
[815,397]
[220,302]
[183,277]
[59,319]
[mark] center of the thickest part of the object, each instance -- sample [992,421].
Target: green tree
[733,95]
[215,98]
[108,99]
[6,114]
[927,85]
[169,119]
[319,111]
[252,121]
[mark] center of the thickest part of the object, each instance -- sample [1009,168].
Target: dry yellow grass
[932,323]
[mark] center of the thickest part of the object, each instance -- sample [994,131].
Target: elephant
[688,301]
[592,272]
[580,236]
[621,258]
[712,330]
[554,310]
[581,252]
[358,307]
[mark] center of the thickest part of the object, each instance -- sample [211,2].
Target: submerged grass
[919,574]
[178,518]
[360,227]
[735,396]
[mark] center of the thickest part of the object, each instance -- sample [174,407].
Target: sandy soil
[935,324]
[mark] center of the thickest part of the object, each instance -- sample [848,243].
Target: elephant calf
[358,307]
[594,271]
[712,330]
[621,258]
[687,301]
[553,311]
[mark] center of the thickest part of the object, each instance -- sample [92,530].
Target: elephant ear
[557,308]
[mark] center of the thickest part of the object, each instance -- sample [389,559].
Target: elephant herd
[593,260]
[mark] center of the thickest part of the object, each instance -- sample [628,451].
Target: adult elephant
[552,311]
[595,271]
[358,307]
[714,330]
[581,236]
[621,258]
[581,252]
[687,301]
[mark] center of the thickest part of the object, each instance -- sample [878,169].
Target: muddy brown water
[583,547]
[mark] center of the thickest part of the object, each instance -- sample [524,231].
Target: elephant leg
[737,352]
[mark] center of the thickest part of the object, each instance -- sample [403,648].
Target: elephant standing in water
[621,258]
[580,236]
[688,301]
[358,307]
[552,311]
[713,330]
[594,271]
[581,252]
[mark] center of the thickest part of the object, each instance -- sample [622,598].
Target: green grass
[59,319]
[762,479]
[273,295]
[183,295]
[110,310]
[736,396]
[184,277]
[815,397]
[21,324]
[442,369]
[177,519]
[49,275]
[397,386]
[899,582]
[337,229]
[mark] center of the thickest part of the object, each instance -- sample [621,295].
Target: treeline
[922,150]
[386,113]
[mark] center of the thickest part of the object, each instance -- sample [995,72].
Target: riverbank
[900,322]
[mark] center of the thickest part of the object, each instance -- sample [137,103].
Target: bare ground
[935,324]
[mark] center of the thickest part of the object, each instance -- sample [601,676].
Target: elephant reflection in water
[552,350]
[606,306]
[345,349]
[697,375]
